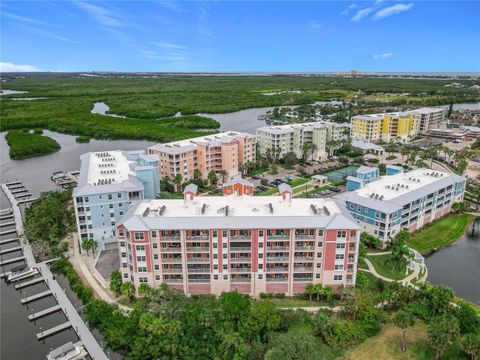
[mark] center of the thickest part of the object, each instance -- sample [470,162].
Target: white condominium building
[280,140]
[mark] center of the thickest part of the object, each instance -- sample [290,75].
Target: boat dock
[7,251]
[54,330]
[65,180]
[6,232]
[29,283]
[7,241]
[75,321]
[45,312]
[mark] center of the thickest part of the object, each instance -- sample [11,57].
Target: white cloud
[10,67]
[23,18]
[315,25]
[392,10]
[46,33]
[172,5]
[346,11]
[167,45]
[362,13]
[101,14]
[383,56]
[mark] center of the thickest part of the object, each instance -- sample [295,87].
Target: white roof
[319,177]
[237,180]
[365,145]
[235,212]
[285,129]
[177,147]
[428,110]
[191,188]
[394,191]
[365,169]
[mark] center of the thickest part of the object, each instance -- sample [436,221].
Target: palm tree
[223,174]
[319,291]
[127,289]
[177,180]
[212,177]
[197,174]
[403,319]
[87,245]
[310,290]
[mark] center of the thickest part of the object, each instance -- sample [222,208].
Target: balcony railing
[241,238]
[240,248]
[171,249]
[241,259]
[170,238]
[277,258]
[303,258]
[171,260]
[201,249]
[307,279]
[349,281]
[350,271]
[304,236]
[240,270]
[198,270]
[198,238]
[204,281]
[277,279]
[279,236]
[303,269]
[199,259]
[277,269]
[351,260]
[172,271]
[242,280]
[299,248]
[169,281]
[276,248]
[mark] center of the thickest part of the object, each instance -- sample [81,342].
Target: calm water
[458,265]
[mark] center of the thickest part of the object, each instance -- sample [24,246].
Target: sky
[246,36]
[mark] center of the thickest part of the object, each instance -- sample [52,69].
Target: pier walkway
[74,319]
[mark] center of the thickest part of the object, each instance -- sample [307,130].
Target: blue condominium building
[403,200]
[109,181]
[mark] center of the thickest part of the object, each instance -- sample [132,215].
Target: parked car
[272,183]
[323,192]
[334,188]
[289,177]
[281,181]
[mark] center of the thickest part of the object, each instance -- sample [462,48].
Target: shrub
[279,295]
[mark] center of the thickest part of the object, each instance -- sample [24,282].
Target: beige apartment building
[217,152]
[280,140]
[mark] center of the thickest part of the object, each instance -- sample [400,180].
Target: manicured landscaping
[25,144]
[297,181]
[385,268]
[440,233]
[82,139]
[271,191]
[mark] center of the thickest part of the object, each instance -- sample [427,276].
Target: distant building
[363,175]
[108,182]
[217,152]
[397,126]
[283,139]
[403,200]
[250,244]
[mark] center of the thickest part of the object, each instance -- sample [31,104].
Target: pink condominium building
[252,244]
[224,151]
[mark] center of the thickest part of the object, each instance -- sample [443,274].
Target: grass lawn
[297,181]
[440,233]
[384,268]
[386,346]
[271,191]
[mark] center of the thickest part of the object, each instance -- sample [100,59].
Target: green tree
[197,175]
[310,290]
[212,177]
[471,345]
[128,290]
[116,282]
[224,175]
[87,245]
[441,334]
[298,343]
[177,180]
[144,289]
[263,319]
[402,320]
[319,291]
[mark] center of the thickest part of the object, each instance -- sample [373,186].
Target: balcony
[241,238]
[171,260]
[198,260]
[240,248]
[240,270]
[198,249]
[199,281]
[283,279]
[349,281]
[303,269]
[198,238]
[172,249]
[241,280]
[276,248]
[277,269]
[278,236]
[351,260]
[170,238]
[198,270]
[172,271]
[350,271]
[173,281]
[241,259]
[303,258]
[305,248]
[277,258]
[304,236]
[303,279]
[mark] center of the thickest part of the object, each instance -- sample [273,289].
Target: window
[155,256]
[260,276]
[260,256]
[225,245]
[157,267]
[337,277]
[320,244]
[139,236]
[86,198]
[143,280]
[260,266]
[124,255]
[110,206]
[214,233]
[317,276]
[320,232]
[157,277]
[319,265]
[319,254]
[142,269]
[215,256]
[225,277]
[338,267]
[224,234]
[339,256]
[121,233]
[225,267]
[141,258]
[119,195]
[215,277]
[214,245]
[154,234]
[341,234]
[155,245]
[260,233]
[110,197]
[125,276]
[224,256]
[340,246]
[124,265]
[260,245]
[215,267]
[140,247]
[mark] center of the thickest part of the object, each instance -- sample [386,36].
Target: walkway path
[71,313]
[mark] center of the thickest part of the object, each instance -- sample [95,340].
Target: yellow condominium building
[398,127]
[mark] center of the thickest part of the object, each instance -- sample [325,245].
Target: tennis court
[338,175]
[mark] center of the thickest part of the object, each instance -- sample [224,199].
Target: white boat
[21,272]
[67,351]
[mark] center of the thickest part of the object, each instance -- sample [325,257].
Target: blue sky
[240,36]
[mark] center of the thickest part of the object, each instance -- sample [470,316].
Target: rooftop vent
[270,206]
[162,210]
[314,209]
[146,212]
[204,208]
[227,209]
[327,212]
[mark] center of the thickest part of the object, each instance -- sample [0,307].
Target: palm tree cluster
[320,291]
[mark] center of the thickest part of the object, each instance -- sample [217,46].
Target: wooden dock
[29,283]
[6,217]
[7,241]
[7,224]
[20,196]
[11,261]
[36,297]
[20,202]
[6,251]
[13,183]
[53,330]
[6,232]
[45,312]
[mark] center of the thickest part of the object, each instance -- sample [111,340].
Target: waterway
[458,265]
